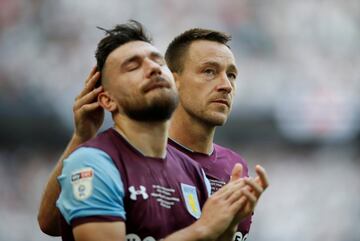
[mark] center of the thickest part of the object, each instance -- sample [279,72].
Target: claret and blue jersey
[107,179]
[218,166]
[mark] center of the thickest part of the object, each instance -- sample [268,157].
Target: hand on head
[88,114]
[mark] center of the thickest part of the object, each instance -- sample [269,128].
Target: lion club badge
[191,200]
[81,181]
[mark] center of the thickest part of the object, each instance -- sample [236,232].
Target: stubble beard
[159,108]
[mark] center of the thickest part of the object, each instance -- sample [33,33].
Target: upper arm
[90,186]
[109,231]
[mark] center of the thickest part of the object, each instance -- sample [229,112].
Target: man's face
[139,82]
[207,83]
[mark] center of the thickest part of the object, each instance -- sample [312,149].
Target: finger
[88,98]
[262,176]
[92,72]
[89,107]
[234,190]
[254,186]
[89,86]
[229,188]
[252,200]
[236,194]
[239,204]
[236,172]
[93,80]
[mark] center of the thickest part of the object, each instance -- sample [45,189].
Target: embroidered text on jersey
[165,196]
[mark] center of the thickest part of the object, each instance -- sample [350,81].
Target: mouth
[158,83]
[222,101]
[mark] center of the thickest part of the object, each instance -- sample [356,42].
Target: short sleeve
[90,186]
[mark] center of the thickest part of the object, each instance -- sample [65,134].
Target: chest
[160,197]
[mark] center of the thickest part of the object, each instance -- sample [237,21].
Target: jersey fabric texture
[218,166]
[107,179]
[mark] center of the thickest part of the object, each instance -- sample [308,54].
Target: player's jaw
[155,102]
[216,109]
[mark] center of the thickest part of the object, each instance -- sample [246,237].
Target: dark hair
[177,49]
[119,35]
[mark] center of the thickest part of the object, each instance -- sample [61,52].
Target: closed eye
[132,66]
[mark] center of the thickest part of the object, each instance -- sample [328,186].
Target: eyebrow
[155,54]
[231,67]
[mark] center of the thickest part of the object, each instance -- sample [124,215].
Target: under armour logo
[141,192]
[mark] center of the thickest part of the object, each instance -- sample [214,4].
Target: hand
[88,114]
[253,190]
[221,208]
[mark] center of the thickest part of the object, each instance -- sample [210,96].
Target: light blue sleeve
[207,183]
[90,186]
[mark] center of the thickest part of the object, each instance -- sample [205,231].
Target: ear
[177,80]
[106,101]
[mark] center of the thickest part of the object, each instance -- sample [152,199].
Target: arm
[109,231]
[48,216]
[88,118]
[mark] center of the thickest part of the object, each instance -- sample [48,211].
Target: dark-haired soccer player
[205,73]
[218,71]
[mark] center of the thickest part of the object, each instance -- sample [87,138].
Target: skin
[206,88]
[226,204]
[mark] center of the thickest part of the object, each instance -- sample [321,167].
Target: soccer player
[126,179]
[205,73]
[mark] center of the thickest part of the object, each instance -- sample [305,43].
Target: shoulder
[87,157]
[230,155]
[179,155]
[103,141]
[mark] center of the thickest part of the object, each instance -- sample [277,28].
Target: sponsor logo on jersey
[164,196]
[134,237]
[238,236]
[191,200]
[135,192]
[82,185]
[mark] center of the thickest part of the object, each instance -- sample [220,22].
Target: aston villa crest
[191,200]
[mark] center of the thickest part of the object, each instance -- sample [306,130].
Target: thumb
[236,172]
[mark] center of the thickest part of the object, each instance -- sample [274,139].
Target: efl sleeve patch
[82,183]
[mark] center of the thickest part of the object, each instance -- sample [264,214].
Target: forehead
[203,51]
[130,49]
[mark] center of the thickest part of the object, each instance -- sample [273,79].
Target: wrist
[79,138]
[202,231]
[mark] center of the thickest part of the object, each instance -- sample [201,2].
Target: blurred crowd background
[296,112]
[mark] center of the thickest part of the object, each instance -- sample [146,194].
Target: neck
[191,132]
[150,138]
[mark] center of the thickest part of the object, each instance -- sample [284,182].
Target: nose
[152,68]
[225,85]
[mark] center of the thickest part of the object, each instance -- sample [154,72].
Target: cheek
[192,99]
